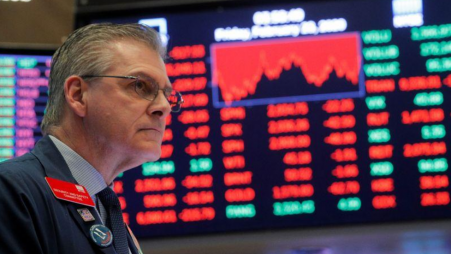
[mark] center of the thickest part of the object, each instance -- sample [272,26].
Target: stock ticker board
[297,114]
[23,96]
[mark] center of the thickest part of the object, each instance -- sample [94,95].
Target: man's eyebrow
[144,75]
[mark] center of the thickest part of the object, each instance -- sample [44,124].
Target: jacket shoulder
[24,164]
[24,172]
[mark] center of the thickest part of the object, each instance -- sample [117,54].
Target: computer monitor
[23,95]
[297,114]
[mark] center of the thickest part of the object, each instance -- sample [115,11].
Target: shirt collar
[83,172]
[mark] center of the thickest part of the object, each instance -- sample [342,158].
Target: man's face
[117,118]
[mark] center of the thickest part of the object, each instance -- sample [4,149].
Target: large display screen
[299,114]
[23,96]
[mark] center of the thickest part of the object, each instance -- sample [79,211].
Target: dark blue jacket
[32,220]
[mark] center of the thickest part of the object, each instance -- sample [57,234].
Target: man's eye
[140,85]
[144,88]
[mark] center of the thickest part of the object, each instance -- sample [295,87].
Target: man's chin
[150,155]
[144,152]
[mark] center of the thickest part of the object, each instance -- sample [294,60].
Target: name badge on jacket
[70,192]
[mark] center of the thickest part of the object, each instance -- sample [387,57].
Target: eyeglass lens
[148,89]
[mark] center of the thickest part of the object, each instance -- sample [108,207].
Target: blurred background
[44,23]
[309,127]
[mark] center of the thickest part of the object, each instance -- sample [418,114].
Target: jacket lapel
[133,242]
[85,226]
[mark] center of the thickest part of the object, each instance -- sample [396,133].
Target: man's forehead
[121,53]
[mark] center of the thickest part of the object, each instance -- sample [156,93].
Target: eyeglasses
[148,89]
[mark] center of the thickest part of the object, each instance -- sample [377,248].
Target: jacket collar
[51,159]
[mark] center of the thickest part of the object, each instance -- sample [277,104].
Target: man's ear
[74,91]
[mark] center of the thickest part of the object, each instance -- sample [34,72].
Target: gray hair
[86,52]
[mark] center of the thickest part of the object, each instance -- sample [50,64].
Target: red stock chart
[238,68]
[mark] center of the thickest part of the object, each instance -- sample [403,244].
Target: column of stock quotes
[23,94]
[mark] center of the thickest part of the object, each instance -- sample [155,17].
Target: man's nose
[160,106]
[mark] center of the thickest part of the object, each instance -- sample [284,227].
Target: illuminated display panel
[299,114]
[23,96]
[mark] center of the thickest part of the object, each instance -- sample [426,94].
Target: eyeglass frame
[178,105]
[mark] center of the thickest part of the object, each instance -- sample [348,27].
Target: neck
[102,157]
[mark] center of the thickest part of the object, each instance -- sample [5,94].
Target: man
[109,96]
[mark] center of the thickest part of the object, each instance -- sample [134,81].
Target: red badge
[70,192]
